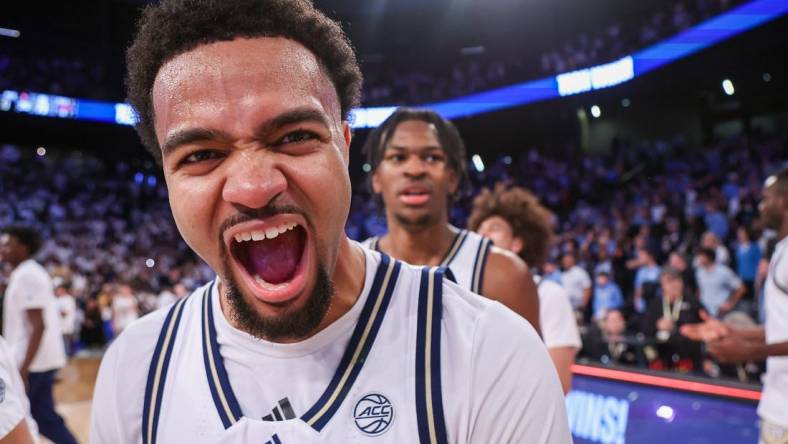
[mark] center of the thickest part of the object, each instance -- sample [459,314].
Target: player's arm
[563,358]
[735,348]
[734,299]
[515,393]
[18,435]
[508,281]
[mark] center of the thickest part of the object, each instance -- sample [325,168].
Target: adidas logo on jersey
[283,410]
[274,439]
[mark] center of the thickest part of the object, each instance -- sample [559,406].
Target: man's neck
[423,246]
[782,233]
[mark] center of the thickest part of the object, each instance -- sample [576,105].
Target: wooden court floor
[73,394]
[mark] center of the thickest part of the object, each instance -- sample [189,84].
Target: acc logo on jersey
[373,414]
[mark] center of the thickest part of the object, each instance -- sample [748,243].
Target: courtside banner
[615,406]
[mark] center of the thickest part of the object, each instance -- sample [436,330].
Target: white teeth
[269,233]
[267,285]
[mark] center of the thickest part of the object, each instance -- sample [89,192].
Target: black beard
[414,224]
[296,325]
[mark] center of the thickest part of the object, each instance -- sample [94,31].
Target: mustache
[249,214]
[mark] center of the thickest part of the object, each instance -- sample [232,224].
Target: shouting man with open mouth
[304,336]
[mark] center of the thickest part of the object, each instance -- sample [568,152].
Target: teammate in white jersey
[16,425]
[31,325]
[769,342]
[418,165]
[515,220]
[305,336]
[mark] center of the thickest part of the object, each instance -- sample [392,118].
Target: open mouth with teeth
[272,259]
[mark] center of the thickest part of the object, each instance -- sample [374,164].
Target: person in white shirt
[125,308]
[67,306]
[304,336]
[576,281]
[769,342]
[31,325]
[16,425]
[515,220]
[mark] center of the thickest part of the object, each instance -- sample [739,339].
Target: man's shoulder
[30,269]
[505,265]
[138,340]
[479,316]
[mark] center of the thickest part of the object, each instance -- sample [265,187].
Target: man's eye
[396,158]
[298,136]
[433,158]
[200,156]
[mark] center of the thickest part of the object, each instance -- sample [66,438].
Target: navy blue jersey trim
[362,339]
[150,418]
[429,403]
[454,248]
[230,412]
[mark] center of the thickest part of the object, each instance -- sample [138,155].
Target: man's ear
[454,182]
[377,188]
[347,134]
[518,245]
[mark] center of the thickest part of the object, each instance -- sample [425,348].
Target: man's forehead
[271,71]
[418,132]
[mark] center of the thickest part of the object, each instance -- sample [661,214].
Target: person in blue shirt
[607,295]
[646,279]
[748,255]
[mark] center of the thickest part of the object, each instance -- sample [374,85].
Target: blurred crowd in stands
[387,85]
[115,253]
[417,83]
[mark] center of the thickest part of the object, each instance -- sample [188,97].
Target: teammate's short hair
[449,138]
[173,27]
[26,235]
[530,220]
[779,180]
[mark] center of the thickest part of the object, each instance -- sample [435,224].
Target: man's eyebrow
[420,149]
[191,135]
[292,117]
[199,134]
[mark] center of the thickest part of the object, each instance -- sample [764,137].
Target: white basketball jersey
[775,381]
[416,359]
[465,259]
[362,388]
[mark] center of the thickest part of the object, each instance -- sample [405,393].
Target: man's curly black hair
[530,220]
[26,235]
[173,27]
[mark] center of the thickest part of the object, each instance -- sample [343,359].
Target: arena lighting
[666,412]
[727,86]
[625,102]
[366,167]
[478,163]
[736,21]
[150,263]
[13,33]
[598,77]
[41,151]
[596,111]
[766,77]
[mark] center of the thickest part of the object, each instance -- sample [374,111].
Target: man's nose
[253,180]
